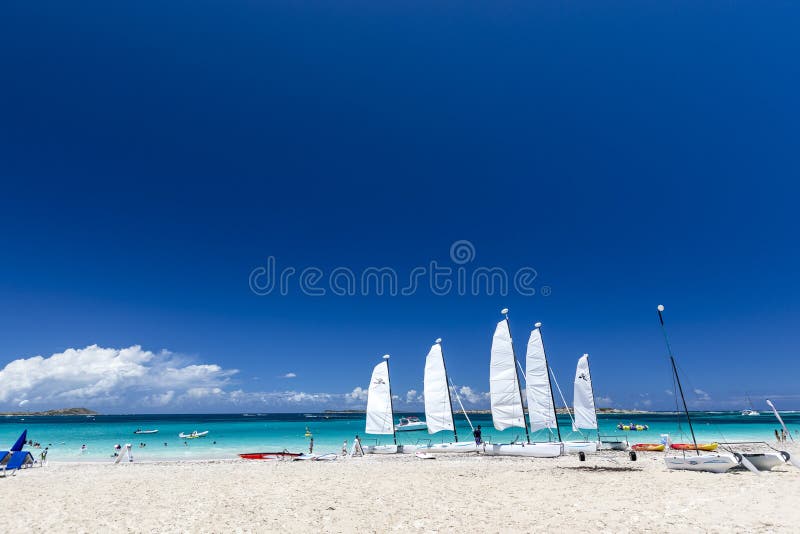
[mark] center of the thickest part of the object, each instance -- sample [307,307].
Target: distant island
[60,411]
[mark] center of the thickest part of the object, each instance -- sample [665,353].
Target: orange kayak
[691,447]
[648,447]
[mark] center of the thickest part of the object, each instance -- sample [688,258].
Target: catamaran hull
[574,447]
[391,449]
[764,462]
[712,463]
[531,450]
[614,445]
[454,447]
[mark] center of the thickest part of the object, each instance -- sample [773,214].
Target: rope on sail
[458,398]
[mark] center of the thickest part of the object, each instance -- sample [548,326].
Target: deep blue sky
[634,153]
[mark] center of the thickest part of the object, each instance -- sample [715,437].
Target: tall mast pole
[677,378]
[549,382]
[449,397]
[591,390]
[391,398]
[504,311]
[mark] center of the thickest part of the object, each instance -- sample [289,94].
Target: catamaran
[380,411]
[541,401]
[439,403]
[714,463]
[506,398]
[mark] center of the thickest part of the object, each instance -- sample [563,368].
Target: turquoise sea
[231,434]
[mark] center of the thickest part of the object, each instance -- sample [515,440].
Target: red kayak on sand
[655,447]
[283,455]
[691,447]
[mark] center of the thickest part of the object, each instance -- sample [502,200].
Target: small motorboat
[632,428]
[282,455]
[193,435]
[410,423]
[750,412]
[692,447]
[140,431]
[654,447]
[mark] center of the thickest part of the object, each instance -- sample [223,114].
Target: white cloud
[358,394]
[412,396]
[289,375]
[23,402]
[647,403]
[107,377]
[669,392]
[702,395]
[603,401]
[471,396]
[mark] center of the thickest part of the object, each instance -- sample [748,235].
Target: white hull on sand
[713,463]
[532,450]
[765,461]
[614,445]
[391,449]
[574,447]
[454,447]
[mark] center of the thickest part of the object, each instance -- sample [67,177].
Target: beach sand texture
[401,493]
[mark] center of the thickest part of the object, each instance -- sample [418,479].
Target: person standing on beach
[477,435]
[311,446]
[344,448]
[777,436]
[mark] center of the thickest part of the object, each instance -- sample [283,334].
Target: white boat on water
[193,435]
[410,424]
[750,412]
[140,431]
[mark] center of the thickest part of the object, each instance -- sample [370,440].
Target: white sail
[507,410]
[438,410]
[583,404]
[380,419]
[540,399]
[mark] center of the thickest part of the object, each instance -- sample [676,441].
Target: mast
[391,399]
[549,382]
[449,397]
[677,378]
[594,403]
[504,311]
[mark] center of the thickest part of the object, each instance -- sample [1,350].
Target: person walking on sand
[477,435]
[777,436]
[344,448]
[311,446]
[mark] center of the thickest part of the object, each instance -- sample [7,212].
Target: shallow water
[230,434]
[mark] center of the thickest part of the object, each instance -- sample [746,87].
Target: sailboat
[506,399]
[439,403]
[541,402]
[380,411]
[750,410]
[714,463]
[583,402]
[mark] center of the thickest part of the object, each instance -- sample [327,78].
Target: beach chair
[19,460]
[4,457]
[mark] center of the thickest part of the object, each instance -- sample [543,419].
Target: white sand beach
[402,493]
